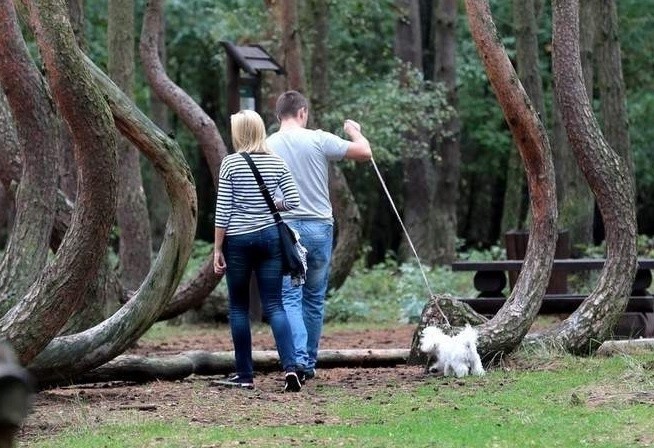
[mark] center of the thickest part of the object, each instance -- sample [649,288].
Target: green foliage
[392,111]
[388,292]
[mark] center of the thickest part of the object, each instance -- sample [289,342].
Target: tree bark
[348,227]
[446,196]
[132,214]
[526,33]
[508,327]
[613,102]
[34,321]
[418,169]
[347,216]
[199,123]
[610,181]
[36,126]
[576,202]
[70,355]
[319,10]
[289,52]
[159,205]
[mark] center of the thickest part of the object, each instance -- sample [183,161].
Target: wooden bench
[490,276]
[490,281]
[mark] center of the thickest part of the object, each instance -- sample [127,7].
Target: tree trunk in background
[346,212]
[289,51]
[613,101]
[204,129]
[132,212]
[158,202]
[576,201]
[67,168]
[319,34]
[446,196]
[6,216]
[526,33]
[48,304]
[10,159]
[610,181]
[418,169]
[348,227]
[9,168]
[76,16]
[34,116]
[508,327]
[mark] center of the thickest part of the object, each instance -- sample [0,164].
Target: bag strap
[262,187]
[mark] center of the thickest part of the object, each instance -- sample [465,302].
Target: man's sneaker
[236,381]
[292,382]
[306,375]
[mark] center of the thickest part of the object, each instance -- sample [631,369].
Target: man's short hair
[289,104]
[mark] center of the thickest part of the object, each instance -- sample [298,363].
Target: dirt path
[200,402]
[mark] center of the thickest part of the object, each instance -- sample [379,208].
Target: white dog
[453,355]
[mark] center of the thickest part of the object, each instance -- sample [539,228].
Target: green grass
[565,402]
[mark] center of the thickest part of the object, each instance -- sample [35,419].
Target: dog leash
[406,233]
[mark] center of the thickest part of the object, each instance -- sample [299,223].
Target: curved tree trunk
[446,196]
[610,181]
[105,290]
[69,355]
[132,212]
[515,212]
[508,327]
[158,203]
[34,321]
[199,123]
[35,119]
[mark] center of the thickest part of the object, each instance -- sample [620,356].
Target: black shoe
[306,375]
[236,381]
[292,382]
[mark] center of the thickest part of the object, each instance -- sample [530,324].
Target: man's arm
[359,148]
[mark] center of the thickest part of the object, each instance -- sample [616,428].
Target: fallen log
[141,369]
[626,347]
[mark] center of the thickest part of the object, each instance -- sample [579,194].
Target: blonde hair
[248,132]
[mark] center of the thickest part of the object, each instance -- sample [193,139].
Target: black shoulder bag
[293,260]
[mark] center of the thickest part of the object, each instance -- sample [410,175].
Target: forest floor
[200,402]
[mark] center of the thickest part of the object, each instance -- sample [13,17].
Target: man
[307,154]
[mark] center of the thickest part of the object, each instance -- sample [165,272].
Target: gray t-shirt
[308,153]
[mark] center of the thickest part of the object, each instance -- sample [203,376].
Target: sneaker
[292,382]
[236,381]
[306,375]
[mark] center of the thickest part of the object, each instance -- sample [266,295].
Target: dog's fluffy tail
[468,336]
[431,338]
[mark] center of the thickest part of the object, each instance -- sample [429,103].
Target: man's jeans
[258,251]
[305,305]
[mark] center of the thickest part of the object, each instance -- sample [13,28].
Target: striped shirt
[240,206]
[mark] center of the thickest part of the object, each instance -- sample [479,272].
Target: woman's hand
[219,265]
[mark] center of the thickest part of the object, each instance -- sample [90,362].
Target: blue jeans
[305,305]
[258,251]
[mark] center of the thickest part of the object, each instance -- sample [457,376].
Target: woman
[247,240]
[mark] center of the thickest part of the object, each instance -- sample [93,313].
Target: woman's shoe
[236,381]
